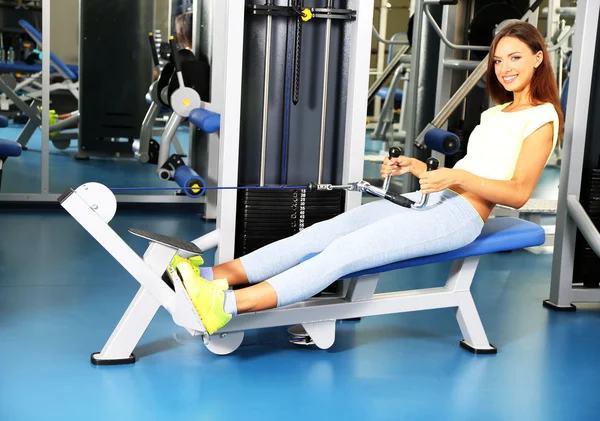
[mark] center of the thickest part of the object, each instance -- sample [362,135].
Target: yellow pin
[195,188]
[306,15]
[186,102]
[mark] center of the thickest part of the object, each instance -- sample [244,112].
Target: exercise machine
[146,149]
[186,92]
[113,81]
[94,205]
[577,242]
[30,86]
[11,96]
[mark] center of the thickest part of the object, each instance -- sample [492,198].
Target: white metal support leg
[362,288]
[459,282]
[322,333]
[93,206]
[462,273]
[475,339]
[119,347]
[139,314]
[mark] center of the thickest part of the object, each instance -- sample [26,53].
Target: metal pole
[325,95]
[45,96]
[582,76]
[265,122]
[383,14]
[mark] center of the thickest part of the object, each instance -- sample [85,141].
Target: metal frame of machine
[571,217]
[227,23]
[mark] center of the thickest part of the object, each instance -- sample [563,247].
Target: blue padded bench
[498,235]
[8,148]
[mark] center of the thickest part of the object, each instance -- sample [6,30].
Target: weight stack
[265,216]
[586,262]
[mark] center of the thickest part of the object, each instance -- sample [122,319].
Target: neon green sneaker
[208,298]
[194,262]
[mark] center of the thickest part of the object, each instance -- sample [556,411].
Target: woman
[505,157]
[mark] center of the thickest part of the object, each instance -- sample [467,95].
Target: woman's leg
[448,223]
[437,229]
[288,252]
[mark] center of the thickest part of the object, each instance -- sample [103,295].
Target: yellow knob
[306,15]
[186,102]
[195,189]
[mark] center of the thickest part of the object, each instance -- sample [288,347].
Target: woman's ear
[539,58]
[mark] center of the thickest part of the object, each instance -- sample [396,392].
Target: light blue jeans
[370,235]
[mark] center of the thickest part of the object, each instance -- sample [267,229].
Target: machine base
[469,348]
[549,304]
[122,361]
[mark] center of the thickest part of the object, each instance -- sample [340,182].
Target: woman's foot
[194,262]
[207,297]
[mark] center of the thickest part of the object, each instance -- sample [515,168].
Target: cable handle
[432,164]
[394,152]
[398,199]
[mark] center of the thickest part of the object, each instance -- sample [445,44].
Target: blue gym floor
[61,295]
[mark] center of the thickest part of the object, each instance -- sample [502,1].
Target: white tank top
[495,144]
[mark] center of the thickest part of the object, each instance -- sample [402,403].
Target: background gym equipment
[146,148]
[34,114]
[185,97]
[12,95]
[69,74]
[577,243]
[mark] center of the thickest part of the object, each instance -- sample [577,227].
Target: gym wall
[64,26]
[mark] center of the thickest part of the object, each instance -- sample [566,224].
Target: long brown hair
[543,84]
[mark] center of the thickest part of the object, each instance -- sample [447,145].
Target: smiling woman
[522,74]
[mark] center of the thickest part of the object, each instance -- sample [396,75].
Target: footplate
[167,240]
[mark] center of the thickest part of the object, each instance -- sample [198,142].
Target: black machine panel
[116,71]
[265,216]
[294,130]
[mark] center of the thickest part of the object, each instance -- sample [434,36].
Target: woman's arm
[402,165]
[515,192]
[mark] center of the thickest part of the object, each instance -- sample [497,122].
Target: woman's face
[515,64]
